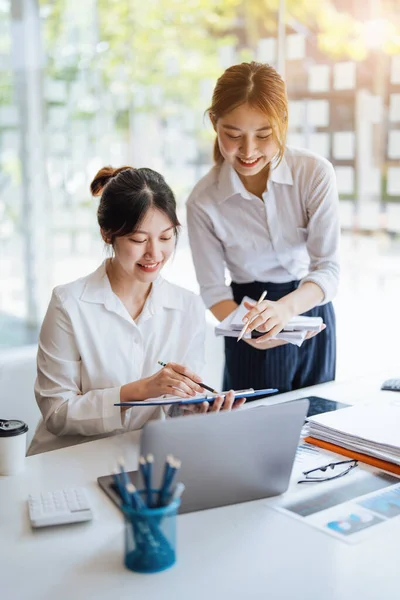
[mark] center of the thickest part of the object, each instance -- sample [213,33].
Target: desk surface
[242,551]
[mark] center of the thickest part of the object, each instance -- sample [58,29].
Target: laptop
[227,457]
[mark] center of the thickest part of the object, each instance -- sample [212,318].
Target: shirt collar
[97,287]
[98,290]
[230,184]
[282,173]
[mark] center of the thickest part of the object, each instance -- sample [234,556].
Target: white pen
[261,298]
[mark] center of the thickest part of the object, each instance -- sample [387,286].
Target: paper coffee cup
[12,446]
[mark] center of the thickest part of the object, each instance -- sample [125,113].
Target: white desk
[241,552]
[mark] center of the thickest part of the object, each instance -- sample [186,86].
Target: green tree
[168,46]
[340,34]
[165,43]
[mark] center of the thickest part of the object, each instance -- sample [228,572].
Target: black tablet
[320,405]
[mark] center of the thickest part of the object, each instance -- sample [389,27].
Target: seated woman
[103,334]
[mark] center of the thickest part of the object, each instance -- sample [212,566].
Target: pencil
[261,298]
[203,385]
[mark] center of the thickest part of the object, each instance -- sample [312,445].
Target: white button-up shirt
[292,235]
[90,346]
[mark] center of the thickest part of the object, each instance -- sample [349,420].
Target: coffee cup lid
[12,427]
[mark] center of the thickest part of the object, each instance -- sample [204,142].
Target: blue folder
[250,393]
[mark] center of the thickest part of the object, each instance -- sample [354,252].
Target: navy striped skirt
[285,367]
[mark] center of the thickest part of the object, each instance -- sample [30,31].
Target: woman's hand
[268,316]
[266,344]
[174,380]
[219,404]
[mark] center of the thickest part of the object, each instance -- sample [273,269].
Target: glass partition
[128,83]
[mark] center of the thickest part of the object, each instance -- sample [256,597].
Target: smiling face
[246,140]
[142,254]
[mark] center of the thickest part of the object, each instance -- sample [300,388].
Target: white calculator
[69,505]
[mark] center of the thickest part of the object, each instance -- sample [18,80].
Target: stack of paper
[295,331]
[368,428]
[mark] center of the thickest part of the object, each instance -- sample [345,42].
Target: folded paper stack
[294,332]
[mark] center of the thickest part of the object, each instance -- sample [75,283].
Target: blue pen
[150,460]
[143,469]
[125,499]
[167,468]
[137,501]
[175,467]
[123,475]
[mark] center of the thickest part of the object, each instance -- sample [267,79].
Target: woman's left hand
[268,344]
[219,405]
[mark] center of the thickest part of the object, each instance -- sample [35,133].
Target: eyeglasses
[340,468]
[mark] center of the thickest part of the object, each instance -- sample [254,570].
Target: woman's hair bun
[103,176]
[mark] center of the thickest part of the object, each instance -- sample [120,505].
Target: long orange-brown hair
[258,85]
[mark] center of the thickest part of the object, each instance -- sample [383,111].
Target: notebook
[294,332]
[370,429]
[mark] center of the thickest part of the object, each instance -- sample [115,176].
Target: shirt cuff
[111,414]
[312,279]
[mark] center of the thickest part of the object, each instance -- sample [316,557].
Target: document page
[350,508]
[369,427]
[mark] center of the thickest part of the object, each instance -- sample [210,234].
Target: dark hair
[258,85]
[126,196]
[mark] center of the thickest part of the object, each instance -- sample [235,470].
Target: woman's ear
[106,237]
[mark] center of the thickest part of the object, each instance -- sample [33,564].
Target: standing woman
[268,213]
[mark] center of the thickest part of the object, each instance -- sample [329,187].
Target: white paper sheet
[345,179]
[344,145]
[344,75]
[393,181]
[295,331]
[318,113]
[394,108]
[394,144]
[318,78]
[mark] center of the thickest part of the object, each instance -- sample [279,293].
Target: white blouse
[292,235]
[89,347]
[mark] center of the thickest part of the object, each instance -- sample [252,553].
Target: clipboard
[250,393]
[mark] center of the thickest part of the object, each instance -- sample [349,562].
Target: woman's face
[246,140]
[144,252]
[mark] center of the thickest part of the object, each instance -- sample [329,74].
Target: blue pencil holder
[150,536]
